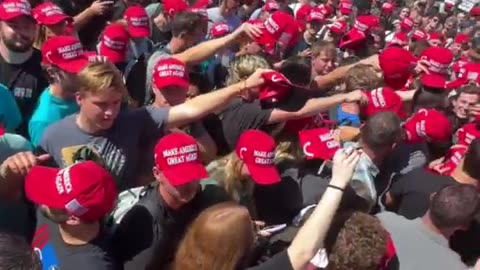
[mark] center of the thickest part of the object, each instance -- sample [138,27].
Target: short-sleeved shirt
[418,248]
[215,16]
[97,254]
[10,117]
[118,148]
[235,119]
[50,109]
[26,82]
[411,192]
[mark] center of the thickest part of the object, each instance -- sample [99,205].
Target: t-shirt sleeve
[281,261]
[150,120]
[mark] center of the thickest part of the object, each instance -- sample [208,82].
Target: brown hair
[220,238]
[361,244]
[362,77]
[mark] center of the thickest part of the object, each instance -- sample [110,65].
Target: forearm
[406,95]
[83,18]
[310,238]
[204,50]
[315,106]
[198,107]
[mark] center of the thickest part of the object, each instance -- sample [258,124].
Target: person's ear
[78,98]
[157,174]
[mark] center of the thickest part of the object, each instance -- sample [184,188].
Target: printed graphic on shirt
[103,152]
[44,249]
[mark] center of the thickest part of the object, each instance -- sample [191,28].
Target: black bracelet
[335,187]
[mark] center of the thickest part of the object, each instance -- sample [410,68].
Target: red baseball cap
[11,9]
[138,24]
[345,7]
[452,159]
[276,86]
[2,130]
[338,27]
[170,72]
[173,7]
[114,43]
[428,125]
[388,8]
[219,30]
[383,99]
[419,35]
[85,190]
[434,81]
[303,12]
[366,22]
[467,133]
[407,24]
[326,10]
[178,158]
[257,150]
[439,58]
[352,40]
[397,65]
[475,11]
[65,52]
[200,11]
[271,6]
[318,143]
[461,39]
[316,15]
[435,37]
[49,14]
[277,30]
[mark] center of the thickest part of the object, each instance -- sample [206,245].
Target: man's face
[460,17]
[179,195]
[435,43]
[18,34]
[100,109]
[313,27]
[323,63]
[171,96]
[463,103]
[455,49]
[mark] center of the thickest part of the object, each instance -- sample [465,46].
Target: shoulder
[60,126]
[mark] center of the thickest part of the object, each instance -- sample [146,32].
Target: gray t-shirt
[416,247]
[215,16]
[118,148]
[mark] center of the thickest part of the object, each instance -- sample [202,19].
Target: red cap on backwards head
[257,150]
[85,190]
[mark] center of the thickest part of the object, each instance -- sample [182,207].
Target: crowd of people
[239,134]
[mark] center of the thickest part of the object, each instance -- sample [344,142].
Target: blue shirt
[50,109]
[347,119]
[10,116]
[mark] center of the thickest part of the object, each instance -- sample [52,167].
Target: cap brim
[74,66]
[55,19]
[12,16]
[40,187]
[185,173]
[169,82]
[112,55]
[138,32]
[264,175]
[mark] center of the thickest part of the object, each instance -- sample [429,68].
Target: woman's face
[404,13]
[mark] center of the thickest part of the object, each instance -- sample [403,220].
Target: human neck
[461,177]
[309,38]
[176,45]
[86,126]
[12,57]
[427,222]
[79,235]
[57,91]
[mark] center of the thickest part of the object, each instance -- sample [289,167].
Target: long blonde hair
[221,238]
[245,66]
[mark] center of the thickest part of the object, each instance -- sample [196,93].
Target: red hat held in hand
[318,143]
[276,87]
[257,150]
[178,158]
[470,73]
[85,190]
[428,126]
[381,100]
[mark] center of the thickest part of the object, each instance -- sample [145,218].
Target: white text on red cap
[139,21]
[51,10]
[263,157]
[71,51]
[62,181]
[171,70]
[271,26]
[17,7]
[113,44]
[378,99]
[175,156]
[328,139]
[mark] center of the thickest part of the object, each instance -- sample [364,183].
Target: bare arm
[406,95]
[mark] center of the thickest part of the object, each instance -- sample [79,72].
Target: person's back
[417,247]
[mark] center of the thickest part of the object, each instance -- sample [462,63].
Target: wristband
[335,187]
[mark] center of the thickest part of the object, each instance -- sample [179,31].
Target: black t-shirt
[237,117]
[411,192]
[26,82]
[56,254]
[281,261]
[150,232]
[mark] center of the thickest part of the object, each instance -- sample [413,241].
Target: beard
[18,47]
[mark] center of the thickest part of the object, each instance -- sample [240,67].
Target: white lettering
[170,152]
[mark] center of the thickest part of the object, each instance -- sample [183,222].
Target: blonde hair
[287,148]
[362,77]
[245,66]
[228,173]
[40,37]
